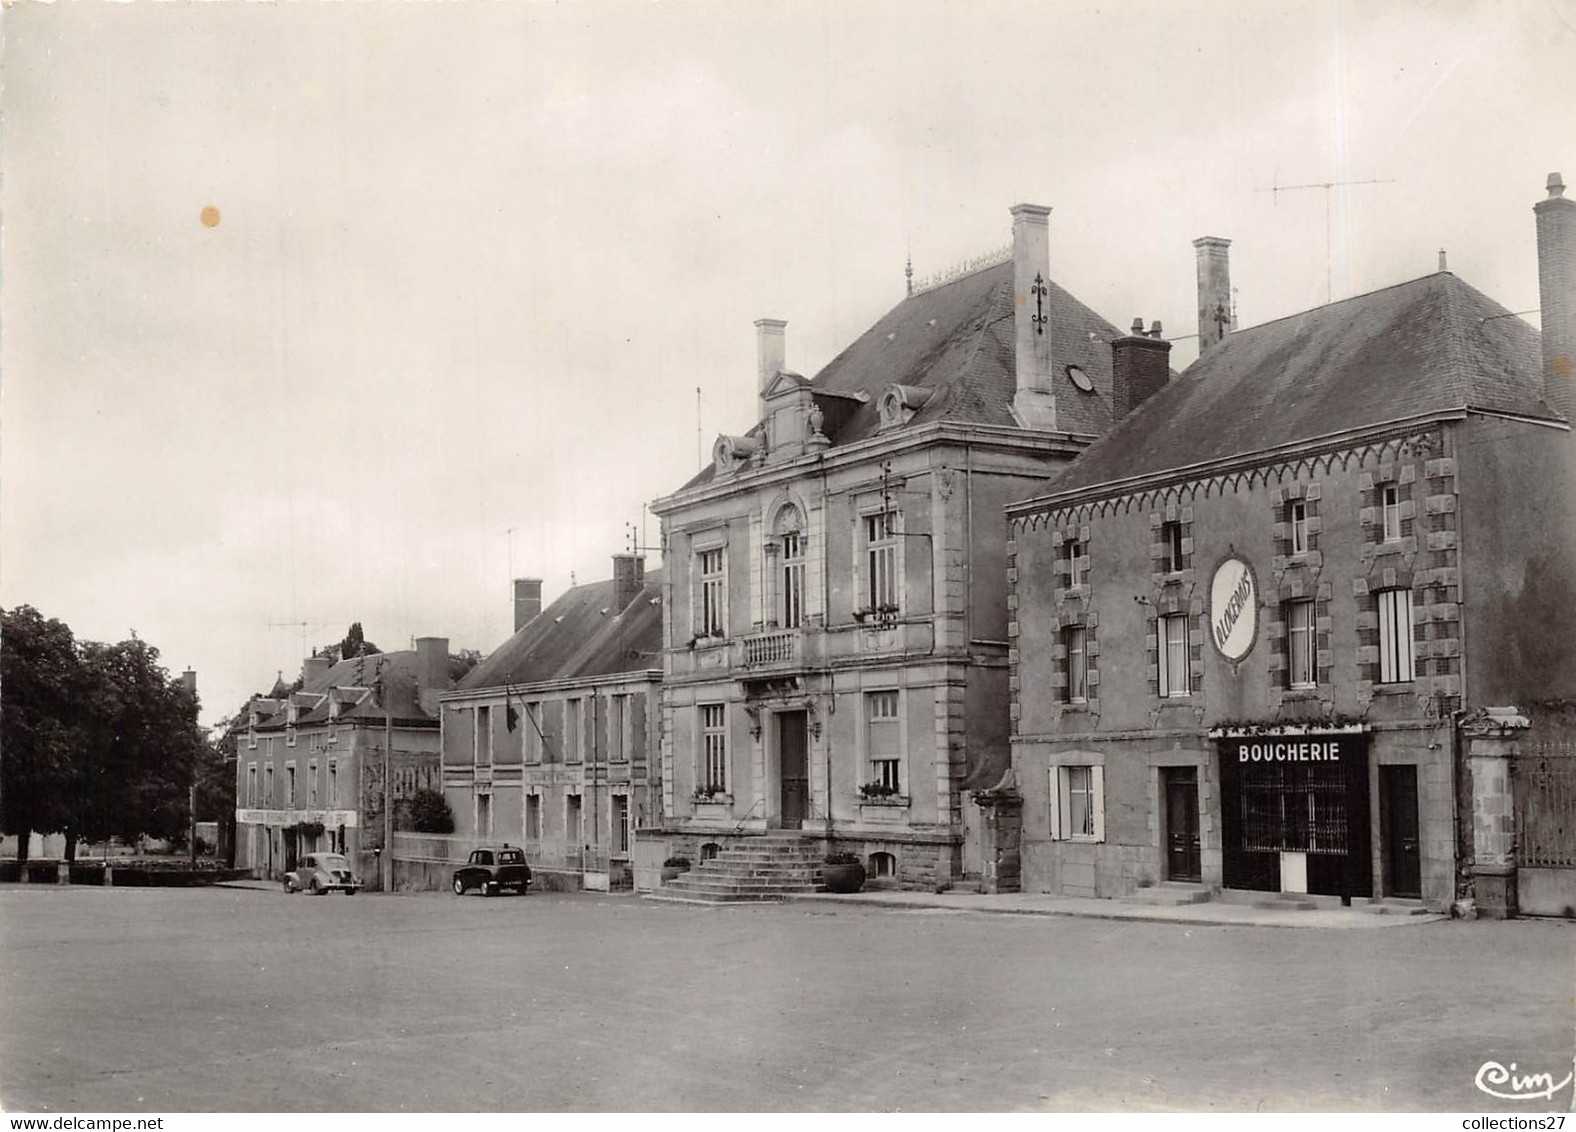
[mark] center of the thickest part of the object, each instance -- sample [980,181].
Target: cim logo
[1233,609]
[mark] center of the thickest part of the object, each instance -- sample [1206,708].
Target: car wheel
[459,887]
[287,887]
[489,888]
[316,890]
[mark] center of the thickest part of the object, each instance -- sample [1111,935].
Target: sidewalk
[1213,913]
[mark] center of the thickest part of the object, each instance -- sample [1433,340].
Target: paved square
[219,999]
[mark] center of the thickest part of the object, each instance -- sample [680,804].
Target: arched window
[789,533]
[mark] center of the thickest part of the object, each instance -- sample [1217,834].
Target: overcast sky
[472,262]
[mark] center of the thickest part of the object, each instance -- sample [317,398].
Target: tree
[460,663]
[428,812]
[216,786]
[41,687]
[356,644]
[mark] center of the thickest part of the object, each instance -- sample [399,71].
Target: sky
[318,313]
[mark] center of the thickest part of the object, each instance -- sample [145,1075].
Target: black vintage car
[491,870]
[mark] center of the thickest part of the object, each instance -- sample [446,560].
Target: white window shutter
[1056,803]
[1097,788]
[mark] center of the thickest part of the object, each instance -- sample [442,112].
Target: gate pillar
[1001,831]
[1491,735]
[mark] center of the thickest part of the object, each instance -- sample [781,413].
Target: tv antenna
[300,627]
[1275,190]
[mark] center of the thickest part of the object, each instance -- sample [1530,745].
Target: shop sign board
[1233,609]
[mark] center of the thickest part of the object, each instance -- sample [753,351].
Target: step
[1169,895]
[1389,906]
[742,889]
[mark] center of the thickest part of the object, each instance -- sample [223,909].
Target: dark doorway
[793,768]
[1398,831]
[1182,851]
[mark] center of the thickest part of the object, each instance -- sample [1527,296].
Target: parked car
[493,869]
[322,873]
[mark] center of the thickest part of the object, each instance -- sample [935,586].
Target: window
[533,731]
[1299,527]
[1171,547]
[311,783]
[268,787]
[883,741]
[617,721]
[793,580]
[1392,513]
[709,566]
[620,823]
[482,739]
[251,784]
[1300,657]
[573,833]
[533,817]
[1074,641]
[1077,809]
[1395,637]
[714,748]
[881,589]
[1077,562]
[484,815]
[1175,678]
[573,732]
[333,783]
[290,784]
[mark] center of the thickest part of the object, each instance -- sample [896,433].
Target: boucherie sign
[1233,609]
[1320,747]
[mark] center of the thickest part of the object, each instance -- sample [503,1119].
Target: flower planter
[843,878]
[670,872]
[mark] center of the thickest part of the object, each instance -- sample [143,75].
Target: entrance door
[793,769]
[1398,829]
[1182,849]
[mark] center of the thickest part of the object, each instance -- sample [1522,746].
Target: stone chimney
[1556,217]
[189,681]
[1034,404]
[432,663]
[527,601]
[1140,368]
[1215,319]
[629,578]
[313,669]
[771,352]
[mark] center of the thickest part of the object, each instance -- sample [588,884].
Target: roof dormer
[899,403]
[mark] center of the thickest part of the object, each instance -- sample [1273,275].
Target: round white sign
[1233,609]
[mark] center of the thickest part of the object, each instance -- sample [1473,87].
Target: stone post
[1001,833]
[1491,735]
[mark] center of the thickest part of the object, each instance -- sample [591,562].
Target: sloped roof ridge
[1323,307]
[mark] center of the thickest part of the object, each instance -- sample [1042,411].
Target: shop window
[1171,548]
[1391,503]
[1075,647]
[714,749]
[1175,672]
[1300,644]
[1396,653]
[1077,808]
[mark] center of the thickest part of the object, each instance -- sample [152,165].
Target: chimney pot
[1442,266]
[1138,326]
[1154,329]
[1556,185]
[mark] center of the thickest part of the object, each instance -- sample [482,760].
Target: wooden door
[1398,829]
[793,767]
[1182,845]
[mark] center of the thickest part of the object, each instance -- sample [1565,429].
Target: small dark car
[493,869]
[322,873]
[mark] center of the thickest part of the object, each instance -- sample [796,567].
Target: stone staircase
[1170,894]
[770,866]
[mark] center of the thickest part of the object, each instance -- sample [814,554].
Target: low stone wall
[437,876]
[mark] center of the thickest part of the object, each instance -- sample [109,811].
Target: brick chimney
[527,601]
[1556,217]
[432,663]
[313,669]
[1034,404]
[629,578]
[1140,368]
[771,352]
[1214,290]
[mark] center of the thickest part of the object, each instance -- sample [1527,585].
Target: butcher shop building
[1248,623]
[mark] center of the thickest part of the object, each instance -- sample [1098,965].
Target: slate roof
[957,340]
[580,634]
[398,670]
[1428,345]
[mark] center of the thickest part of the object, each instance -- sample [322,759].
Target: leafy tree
[216,785]
[460,663]
[356,644]
[41,687]
[429,812]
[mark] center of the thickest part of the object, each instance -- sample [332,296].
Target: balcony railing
[776,648]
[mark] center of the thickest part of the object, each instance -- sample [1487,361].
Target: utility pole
[1275,191]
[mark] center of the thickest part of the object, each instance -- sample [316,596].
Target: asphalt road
[230,999]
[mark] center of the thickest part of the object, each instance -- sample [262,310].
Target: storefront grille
[1294,809]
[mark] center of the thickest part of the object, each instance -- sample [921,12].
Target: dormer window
[899,403]
[731,454]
